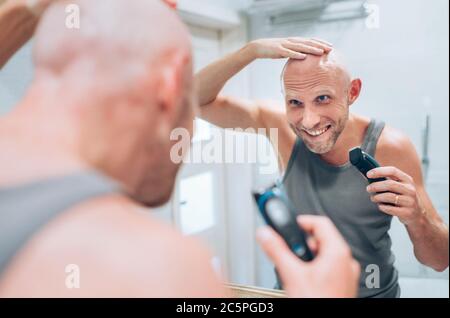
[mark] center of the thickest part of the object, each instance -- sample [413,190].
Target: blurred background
[399,48]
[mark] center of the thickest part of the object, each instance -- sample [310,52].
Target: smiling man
[316,131]
[324,81]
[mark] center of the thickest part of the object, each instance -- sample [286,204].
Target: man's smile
[315,133]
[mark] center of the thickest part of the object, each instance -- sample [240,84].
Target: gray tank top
[26,209]
[339,192]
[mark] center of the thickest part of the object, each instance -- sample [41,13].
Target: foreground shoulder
[120,250]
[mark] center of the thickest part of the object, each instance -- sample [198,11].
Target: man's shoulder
[120,250]
[393,142]
[114,215]
[396,149]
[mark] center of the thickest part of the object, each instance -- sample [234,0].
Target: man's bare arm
[18,21]
[267,118]
[428,232]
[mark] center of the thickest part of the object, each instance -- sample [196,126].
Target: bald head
[113,33]
[316,69]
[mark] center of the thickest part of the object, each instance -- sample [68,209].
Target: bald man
[316,130]
[88,147]
[81,155]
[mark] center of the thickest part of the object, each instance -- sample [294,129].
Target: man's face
[317,103]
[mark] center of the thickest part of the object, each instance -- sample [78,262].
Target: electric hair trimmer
[278,213]
[364,163]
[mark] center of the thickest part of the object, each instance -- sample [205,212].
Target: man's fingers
[301,48]
[171,3]
[307,223]
[392,198]
[313,244]
[292,54]
[324,231]
[277,250]
[390,186]
[311,42]
[399,212]
[314,43]
[326,43]
[389,172]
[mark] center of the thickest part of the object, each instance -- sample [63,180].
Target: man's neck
[352,136]
[31,152]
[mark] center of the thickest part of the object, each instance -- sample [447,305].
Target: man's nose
[310,118]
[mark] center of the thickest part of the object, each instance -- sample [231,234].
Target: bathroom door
[199,198]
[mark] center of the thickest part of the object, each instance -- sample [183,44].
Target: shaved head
[329,65]
[111,34]
[318,92]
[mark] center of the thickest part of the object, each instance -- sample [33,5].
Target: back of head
[127,71]
[115,33]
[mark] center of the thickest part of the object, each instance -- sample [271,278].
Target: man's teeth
[316,133]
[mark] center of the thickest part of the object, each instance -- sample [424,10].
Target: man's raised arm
[230,112]
[18,20]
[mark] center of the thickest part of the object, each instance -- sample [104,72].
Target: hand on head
[37,7]
[294,48]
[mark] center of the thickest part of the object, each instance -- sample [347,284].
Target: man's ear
[171,86]
[354,91]
[170,90]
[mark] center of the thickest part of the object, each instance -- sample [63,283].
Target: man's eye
[323,99]
[295,102]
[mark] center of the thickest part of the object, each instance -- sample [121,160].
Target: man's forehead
[313,91]
[332,61]
[313,75]
[311,83]
[311,66]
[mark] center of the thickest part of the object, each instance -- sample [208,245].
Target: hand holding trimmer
[278,213]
